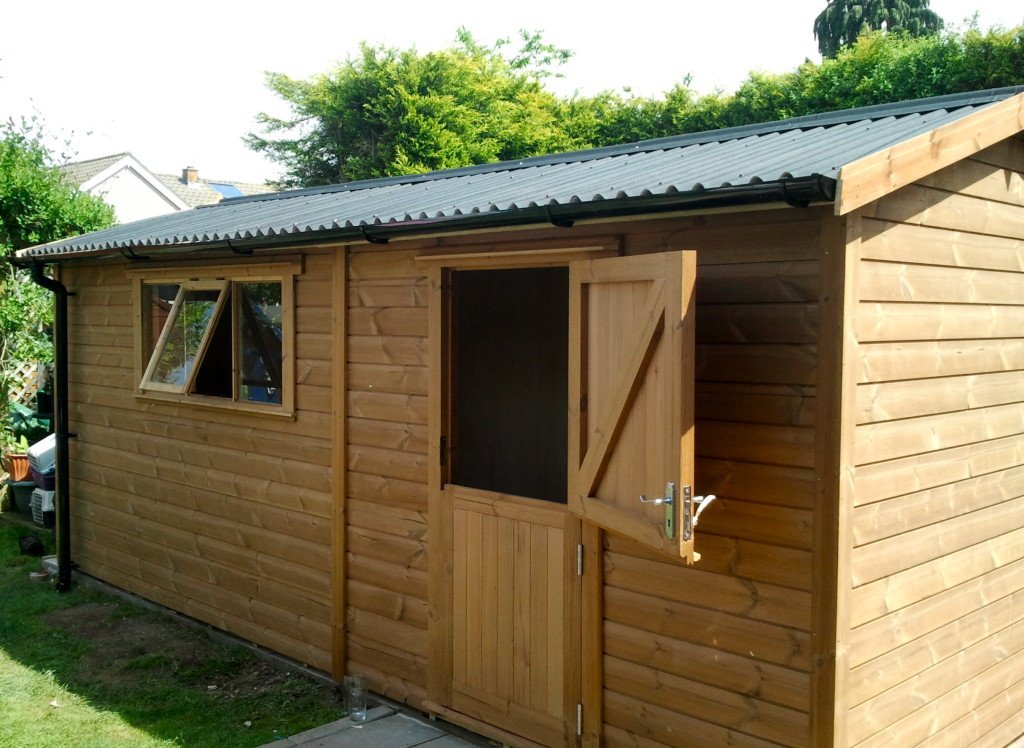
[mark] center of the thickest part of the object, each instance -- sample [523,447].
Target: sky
[179,83]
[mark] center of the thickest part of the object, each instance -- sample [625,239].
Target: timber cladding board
[748,602]
[223,518]
[386,377]
[936,649]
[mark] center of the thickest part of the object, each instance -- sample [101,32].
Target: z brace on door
[631,378]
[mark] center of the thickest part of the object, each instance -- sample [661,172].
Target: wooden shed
[418,429]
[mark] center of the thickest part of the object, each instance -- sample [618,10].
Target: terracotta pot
[16,466]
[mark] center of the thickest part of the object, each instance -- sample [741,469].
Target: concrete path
[385,727]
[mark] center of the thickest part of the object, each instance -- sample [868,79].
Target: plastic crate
[42,507]
[46,481]
[21,495]
[42,455]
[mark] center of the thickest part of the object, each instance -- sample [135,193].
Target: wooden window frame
[212,276]
[146,382]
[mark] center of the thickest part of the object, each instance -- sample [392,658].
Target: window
[509,380]
[217,338]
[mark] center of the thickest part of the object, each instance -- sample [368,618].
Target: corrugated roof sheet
[629,176]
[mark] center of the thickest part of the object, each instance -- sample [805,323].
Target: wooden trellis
[26,381]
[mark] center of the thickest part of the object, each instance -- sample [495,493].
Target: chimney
[189,174]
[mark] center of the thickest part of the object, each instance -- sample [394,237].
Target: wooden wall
[720,653]
[386,505]
[936,597]
[222,515]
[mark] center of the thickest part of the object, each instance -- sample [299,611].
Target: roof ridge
[112,156]
[214,180]
[822,119]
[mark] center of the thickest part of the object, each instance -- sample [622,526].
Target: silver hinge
[579,560]
[579,720]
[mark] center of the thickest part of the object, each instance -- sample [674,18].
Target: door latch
[693,506]
[668,500]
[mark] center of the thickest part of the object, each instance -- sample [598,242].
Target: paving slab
[309,737]
[383,728]
[396,731]
[448,741]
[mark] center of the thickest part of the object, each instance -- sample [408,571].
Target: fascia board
[872,177]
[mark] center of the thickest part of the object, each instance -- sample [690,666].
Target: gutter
[60,412]
[795,192]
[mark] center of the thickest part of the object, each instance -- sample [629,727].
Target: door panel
[631,341]
[508,612]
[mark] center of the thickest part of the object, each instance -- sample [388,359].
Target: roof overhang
[794,192]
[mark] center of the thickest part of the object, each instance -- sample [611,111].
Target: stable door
[558,393]
[510,586]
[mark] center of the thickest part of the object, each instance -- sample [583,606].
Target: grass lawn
[83,669]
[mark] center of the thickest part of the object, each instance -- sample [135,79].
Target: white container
[42,455]
[42,507]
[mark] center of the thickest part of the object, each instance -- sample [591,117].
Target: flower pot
[16,466]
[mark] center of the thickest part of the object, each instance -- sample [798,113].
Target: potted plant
[15,457]
[14,452]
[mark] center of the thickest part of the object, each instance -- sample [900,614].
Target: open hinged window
[219,336]
[185,322]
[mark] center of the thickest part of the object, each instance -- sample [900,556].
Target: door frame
[438,270]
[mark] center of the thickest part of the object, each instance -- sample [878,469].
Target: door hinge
[579,560]
[579,720]
[442,449]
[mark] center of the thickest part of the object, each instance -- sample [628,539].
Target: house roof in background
[200,191]
[188,194]
[93,174]
[78,173]
[793,161]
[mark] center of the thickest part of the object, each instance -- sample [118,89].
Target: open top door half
[631,348]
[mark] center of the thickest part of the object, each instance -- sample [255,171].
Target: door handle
[668,500]
[693,507]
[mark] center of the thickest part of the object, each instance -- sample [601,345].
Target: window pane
[510,374]
[260,333]
[161,299]
[186,335]
[214,376]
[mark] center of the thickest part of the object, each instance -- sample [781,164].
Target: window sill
[216,403]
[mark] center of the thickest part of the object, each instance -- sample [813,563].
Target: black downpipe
[60,412]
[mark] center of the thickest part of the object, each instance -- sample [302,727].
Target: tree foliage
[878,68]
[390,112]
[398,112]
[842,21]
[36,207]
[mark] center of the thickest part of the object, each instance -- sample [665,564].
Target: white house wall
[132,196]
